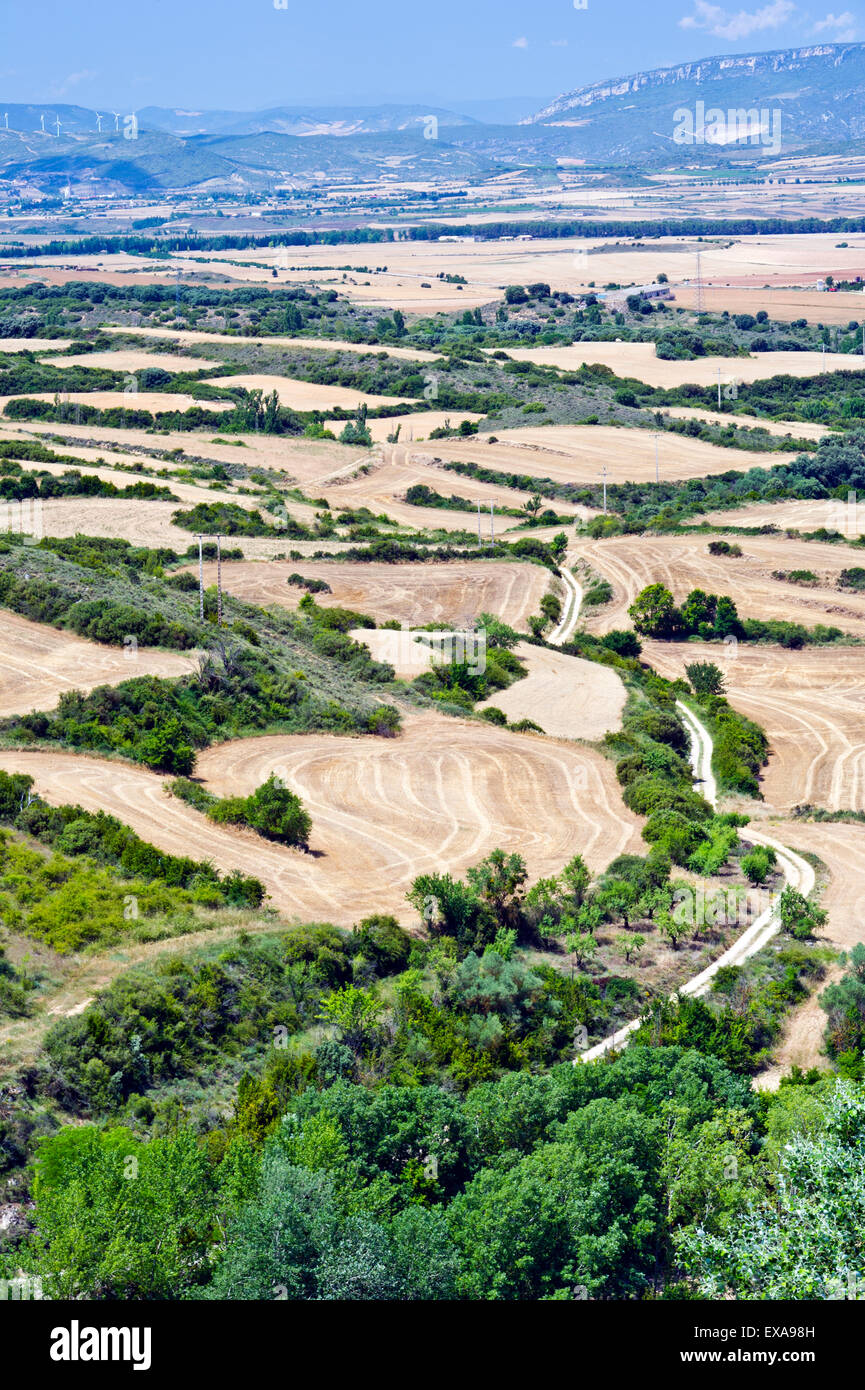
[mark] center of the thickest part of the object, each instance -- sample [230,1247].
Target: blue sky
[249,54]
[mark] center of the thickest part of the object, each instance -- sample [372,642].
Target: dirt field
[638,360]
[34,344]
[442,796]
[578,453]
[307,395]
[567,697]
[413,426]
[133,360]
[684,563]
[39,663]
[413,594]
[793,429]
[784,305]
[157,402]
[811,704]
[189,337]
[800,516]
[142,523]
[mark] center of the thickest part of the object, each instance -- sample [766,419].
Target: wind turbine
[43,122]
[116,115]
[6,116]
[57,124]
[99,122]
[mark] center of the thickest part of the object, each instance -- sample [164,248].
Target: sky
[252,54]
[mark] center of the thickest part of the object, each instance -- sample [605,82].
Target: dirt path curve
[798,873]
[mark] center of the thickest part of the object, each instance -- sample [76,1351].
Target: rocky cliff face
[820,66]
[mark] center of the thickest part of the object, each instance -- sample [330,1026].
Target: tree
[706,678]
[757,865]
[383,941]
[355,1015]
[629,946]
[698,610]
[800,917]
[584,948]
[801,1238]
[498,881]
[278,814]
[654,613]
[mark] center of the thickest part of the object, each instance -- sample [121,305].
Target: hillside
[817,92]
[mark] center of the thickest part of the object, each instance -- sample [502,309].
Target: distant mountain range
[817,92]
[743,108]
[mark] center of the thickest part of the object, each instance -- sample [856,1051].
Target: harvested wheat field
[133,360]
[578,454]
[441,796]
[683,563]
[380,480]
[307,395]
[414,594]
[141,522]
[811,704]
[817,306]
[848,518]
[188,336]
[842,849]
[638,360]
[157,402]
[39,663]
[783,429]
[566,696]
[35,344]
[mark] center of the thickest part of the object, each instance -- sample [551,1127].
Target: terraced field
[413,594]
[440,797]
[579,453]
[39,663]
[684,563]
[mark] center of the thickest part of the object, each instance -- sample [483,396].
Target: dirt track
[440,797]
[39,663]
[842,849]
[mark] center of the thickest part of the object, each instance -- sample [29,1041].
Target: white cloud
[520,43]
[840,27]
[726,25]
[558,43]
[66,84]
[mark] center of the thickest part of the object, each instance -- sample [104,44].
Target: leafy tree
[802,1238]
[799,916]
[654,613]
[498,881]
[278,813]
[706,678]
[355,1015]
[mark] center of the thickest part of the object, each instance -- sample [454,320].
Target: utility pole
[719,388]
[657,465]
[201,579]
[699,282]
[492,523]
[605,489]
[219,581]
[480,542]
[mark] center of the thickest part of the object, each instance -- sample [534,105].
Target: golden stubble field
[810,701]
[441,796]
